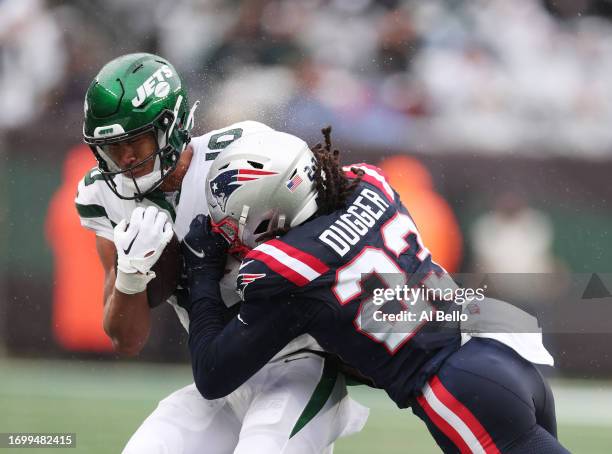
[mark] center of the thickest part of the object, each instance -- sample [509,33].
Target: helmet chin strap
[242,222]
[189,122]
[177,106]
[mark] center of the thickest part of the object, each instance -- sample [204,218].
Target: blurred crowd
[524,76]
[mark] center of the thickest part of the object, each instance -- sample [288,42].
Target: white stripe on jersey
[294,264]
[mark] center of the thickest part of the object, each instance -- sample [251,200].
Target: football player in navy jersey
[312,236]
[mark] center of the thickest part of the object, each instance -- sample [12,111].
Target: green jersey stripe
[319,396]
[91,211]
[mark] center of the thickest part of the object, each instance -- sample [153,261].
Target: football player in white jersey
[148,183]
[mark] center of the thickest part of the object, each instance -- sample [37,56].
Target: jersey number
[221,140]
[373,260]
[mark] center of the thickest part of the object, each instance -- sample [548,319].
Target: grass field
[104,402]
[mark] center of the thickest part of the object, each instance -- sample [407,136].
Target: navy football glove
[204,250]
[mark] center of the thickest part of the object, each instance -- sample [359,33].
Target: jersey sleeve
[224,356]
[272,314]
[92,213]
[277,268]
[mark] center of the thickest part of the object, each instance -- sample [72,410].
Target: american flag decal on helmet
[245,279]
[294,183]
[227,182]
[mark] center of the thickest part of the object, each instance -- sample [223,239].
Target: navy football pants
[486,398]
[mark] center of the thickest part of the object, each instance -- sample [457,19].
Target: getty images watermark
[414,300]
[550,303]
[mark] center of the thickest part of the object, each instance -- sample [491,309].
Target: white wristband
[132,283]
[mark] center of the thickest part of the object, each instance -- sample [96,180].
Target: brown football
[167,274]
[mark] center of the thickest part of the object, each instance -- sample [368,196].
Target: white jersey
[261,415]
[100,209]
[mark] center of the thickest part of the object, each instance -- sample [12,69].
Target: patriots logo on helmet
[227,182]
[244,280]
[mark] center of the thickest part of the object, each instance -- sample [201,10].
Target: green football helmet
[132,95]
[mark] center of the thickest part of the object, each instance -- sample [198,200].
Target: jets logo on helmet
[224,185]
[155,84]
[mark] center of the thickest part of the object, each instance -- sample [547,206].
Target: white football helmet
[260,182]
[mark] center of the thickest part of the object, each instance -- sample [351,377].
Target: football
[167,274]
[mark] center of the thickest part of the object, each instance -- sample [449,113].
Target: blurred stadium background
[492,119]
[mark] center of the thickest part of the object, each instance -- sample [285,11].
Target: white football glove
[139,244]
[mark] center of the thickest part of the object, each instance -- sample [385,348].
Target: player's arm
[137,246]
[127,318]
[225,356]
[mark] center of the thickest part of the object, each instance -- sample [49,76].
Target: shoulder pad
[90,206]
[215,141]
[248,127]
[89,195]
[374,176]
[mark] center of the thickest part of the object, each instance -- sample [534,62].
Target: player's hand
[203,249]
[139,245]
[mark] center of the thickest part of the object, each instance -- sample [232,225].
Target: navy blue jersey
[323,278]
[326,266]
[320,278]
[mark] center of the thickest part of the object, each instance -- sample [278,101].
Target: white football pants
[294,395]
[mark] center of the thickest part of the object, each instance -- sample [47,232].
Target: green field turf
[104,402]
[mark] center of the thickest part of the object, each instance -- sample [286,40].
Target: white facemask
[125,183]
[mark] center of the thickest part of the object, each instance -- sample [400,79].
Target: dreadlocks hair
[333,186]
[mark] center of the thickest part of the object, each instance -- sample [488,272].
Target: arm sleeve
[100,226]
[224,357]
[92,213]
